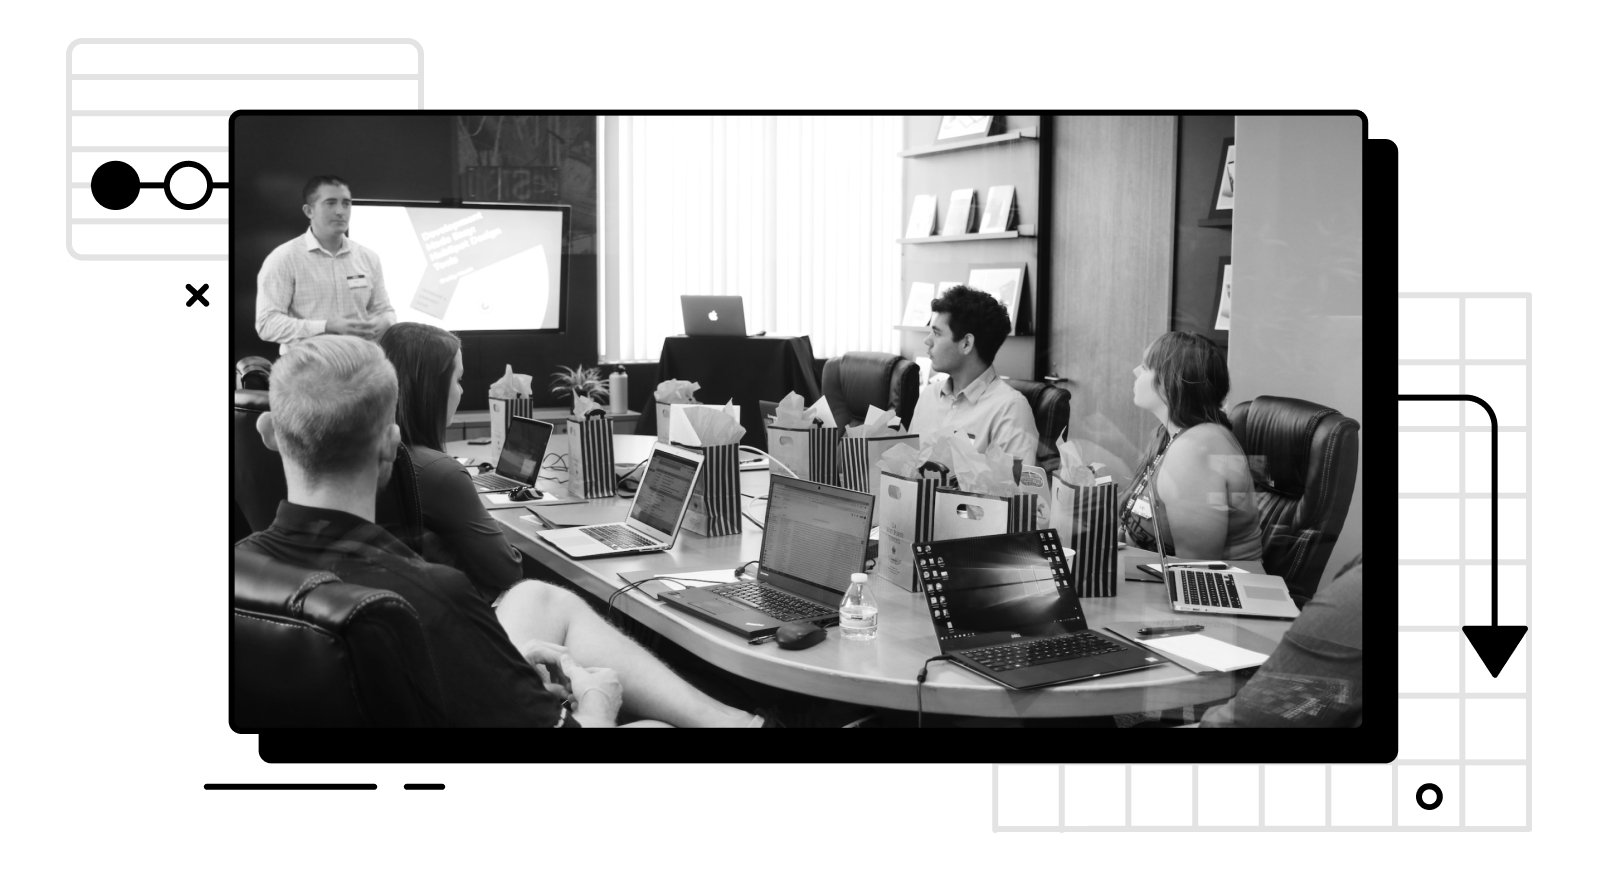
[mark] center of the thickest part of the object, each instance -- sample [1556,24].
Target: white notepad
[1209,652]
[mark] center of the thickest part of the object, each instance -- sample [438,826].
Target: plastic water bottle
[858,612]
[618,389]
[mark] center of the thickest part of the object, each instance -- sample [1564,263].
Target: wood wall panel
[1114,196]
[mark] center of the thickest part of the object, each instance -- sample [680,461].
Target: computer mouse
[524,493]
[801,635]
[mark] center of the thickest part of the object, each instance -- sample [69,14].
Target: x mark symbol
[198,295]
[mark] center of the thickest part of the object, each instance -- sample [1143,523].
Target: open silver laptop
[712,315]
[1195,590]
[653,519]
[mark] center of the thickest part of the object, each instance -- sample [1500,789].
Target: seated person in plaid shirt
[322,281]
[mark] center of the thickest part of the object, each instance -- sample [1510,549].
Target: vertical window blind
[797,215]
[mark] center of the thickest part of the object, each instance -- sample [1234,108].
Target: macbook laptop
[653,519]
[712,315]
[1004,607]
[520,456]
[1195,589]
[815,537]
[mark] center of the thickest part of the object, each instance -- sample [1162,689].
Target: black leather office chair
[855,380]
[1052,412]
[312,651]
[258,483]
[1303,461]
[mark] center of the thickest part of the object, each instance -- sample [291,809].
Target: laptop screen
[1017,585]
[814,533]
[523,450]
[663,491]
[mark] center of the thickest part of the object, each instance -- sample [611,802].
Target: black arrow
[1493,643]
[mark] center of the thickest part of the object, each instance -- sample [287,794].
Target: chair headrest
[250,400]
[252,372]
[1281,429]
[264,585]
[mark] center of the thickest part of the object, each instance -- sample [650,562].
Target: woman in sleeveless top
[427,361]
[1195,475]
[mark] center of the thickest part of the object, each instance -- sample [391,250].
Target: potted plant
[579,381]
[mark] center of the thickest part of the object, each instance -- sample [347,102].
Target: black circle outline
[1438,792]
[166,185]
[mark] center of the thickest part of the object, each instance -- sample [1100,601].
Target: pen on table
[756,641]
[1200,565]
[1163,631]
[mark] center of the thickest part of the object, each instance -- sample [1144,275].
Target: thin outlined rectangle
[1479,794]
[155,104]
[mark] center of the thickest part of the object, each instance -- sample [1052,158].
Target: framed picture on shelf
[1003,282]
[964,126]
[1222,192]
[1224,293]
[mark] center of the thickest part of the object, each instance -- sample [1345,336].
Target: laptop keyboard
[620,536]
[1012,656]
[1201,588]
[778,604]
[495,480]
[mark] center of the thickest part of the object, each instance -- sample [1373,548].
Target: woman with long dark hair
[1195,474]
[428,361]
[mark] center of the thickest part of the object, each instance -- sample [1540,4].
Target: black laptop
[1003,606]
[815,536]
[520,456]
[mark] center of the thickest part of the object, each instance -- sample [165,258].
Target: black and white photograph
[430,308]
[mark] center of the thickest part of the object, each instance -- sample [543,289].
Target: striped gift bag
[812,453]
[500,413]
[1086,519]
[591,460]
[858,459]
[1024,513]
[905,518]
[714,509]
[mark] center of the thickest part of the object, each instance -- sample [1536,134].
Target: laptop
[1193,589]
[815,536]
[653,519]
[1003,606]
[520,456]
[712,315]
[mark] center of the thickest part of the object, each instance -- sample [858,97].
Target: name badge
[359,281]
[1141,508]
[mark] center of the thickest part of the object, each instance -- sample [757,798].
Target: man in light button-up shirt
[321,281]
[967,330]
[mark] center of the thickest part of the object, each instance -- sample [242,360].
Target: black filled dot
[115,185]
[1438,796]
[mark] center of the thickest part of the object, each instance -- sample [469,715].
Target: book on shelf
[962,212]
[919,305]
[924,210]
[999,210]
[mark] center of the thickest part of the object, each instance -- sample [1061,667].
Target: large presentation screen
[481,267]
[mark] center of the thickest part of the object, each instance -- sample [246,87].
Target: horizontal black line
[291,786]
[424,786]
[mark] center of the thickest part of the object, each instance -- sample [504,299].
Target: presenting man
[322,282]
[968,328]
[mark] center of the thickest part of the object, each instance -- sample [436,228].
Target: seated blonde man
[333,421]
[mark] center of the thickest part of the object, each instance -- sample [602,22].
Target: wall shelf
[1026,230]
[1029,133]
